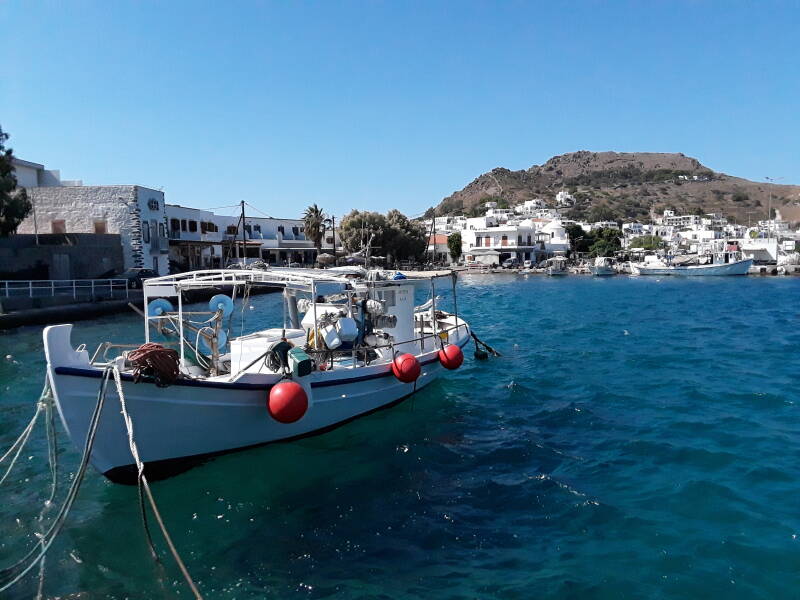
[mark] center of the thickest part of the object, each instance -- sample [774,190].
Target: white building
[153,233]
[200,239]
[134,212]
[564,199]
[488,241]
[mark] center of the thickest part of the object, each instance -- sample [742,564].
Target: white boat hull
[740,267]
[177,426]
[601,271]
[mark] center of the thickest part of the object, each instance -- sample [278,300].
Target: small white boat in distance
[348,347]
[557,266]
[727,261]
[603,265]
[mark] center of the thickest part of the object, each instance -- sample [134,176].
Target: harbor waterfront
[638,438]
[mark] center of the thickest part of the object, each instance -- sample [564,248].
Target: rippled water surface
[639,438]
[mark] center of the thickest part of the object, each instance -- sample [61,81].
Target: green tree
[393,235]
[605,242]
[580,240]
[358,227]
[314,223]
[648,242]
[454,245]
[404,238]
[14,203]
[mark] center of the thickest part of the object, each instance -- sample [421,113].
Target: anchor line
[149,494]
[8,578]
[484,344]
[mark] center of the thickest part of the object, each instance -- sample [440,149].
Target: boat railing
[103,349]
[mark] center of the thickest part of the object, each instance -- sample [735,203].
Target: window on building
[212,227]
[100,227]
[328,240]
[174,224]
[248,229]
[504,240]
[58,226]
[183,224]
[203,226]
[296,230]
[519,240]
[152,204]
[479,241]
[193,226]
[161,230]
[146,232]
[257,228]
[280,229]
[231,230]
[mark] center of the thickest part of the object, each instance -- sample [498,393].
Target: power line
[258,210]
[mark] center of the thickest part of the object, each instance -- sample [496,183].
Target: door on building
[155,265]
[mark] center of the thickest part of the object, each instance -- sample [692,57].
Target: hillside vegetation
[626,186]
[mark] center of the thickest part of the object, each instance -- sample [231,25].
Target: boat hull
[602,271]
[735,268]
[183,424]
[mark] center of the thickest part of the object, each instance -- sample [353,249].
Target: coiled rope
[156,361]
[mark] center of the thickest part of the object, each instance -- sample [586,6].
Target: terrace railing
[77,288]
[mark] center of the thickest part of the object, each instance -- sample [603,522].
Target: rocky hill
[617,185]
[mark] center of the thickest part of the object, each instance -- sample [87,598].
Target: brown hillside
[631,185]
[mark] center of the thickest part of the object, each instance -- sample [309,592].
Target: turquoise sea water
[639,438]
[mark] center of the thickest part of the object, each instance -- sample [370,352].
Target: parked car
[136,276]
[511,263]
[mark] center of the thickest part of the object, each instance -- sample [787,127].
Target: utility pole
[333,226]
[244,241]
[433,236]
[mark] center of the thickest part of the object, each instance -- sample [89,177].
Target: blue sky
[384,105]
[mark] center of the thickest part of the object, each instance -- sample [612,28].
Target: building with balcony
[200,239]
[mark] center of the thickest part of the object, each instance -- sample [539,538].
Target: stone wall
[119,208]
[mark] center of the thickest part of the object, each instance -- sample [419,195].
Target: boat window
[387,296]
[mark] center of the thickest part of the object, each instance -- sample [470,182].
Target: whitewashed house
[134,212]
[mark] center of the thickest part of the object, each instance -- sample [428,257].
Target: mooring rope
[22,440]
[8,578]
[144,483]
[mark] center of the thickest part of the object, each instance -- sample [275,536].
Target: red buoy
[287,402]
[406,368]
[451,356]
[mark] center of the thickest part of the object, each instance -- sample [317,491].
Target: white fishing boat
[556,266]
[602,266]
[348,346]
[726,261]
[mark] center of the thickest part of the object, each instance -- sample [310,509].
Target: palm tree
[314,221]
